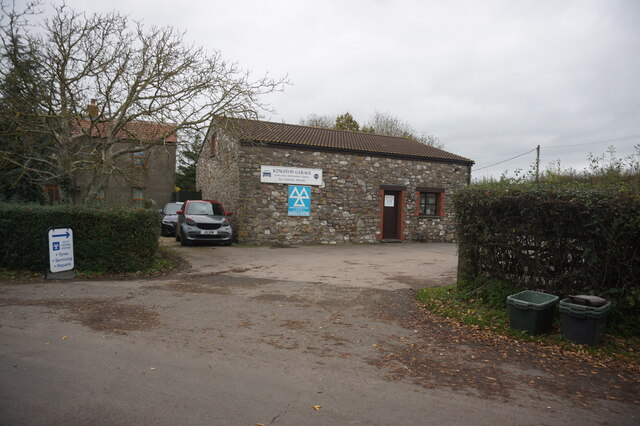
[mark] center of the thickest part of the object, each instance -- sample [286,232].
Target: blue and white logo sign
[60,249]
[299,200]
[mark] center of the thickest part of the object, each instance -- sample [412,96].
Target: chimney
[92,109]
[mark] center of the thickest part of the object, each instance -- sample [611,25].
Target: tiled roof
[144,131]
[289,134]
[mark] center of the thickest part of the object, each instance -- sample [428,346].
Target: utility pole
[538,164]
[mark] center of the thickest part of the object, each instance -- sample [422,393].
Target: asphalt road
[246,336]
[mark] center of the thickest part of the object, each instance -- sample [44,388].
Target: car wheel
[184,242]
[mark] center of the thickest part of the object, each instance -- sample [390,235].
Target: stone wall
[346,210]
[217,173]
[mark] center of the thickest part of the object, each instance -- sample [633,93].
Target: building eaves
[314,137]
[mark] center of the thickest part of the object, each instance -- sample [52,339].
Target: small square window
[430,204]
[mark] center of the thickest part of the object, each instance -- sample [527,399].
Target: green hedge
[105,239]
[560,239]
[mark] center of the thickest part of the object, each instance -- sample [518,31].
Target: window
[52,194]
[140,158]
[101,196]
[429,202]
[205,208]
[213,139]
[137,197]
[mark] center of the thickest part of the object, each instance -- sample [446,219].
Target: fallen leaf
[152,368]
[317,407]
[64,337]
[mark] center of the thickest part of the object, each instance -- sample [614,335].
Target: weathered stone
[345,209]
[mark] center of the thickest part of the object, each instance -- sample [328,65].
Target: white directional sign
[60,249]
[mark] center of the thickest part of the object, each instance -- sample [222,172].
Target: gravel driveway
[268,335]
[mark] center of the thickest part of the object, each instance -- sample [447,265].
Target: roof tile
[290,134]
[143,131]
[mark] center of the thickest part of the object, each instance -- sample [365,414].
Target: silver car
[201,220]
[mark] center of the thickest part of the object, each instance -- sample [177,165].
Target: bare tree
[385,123]
[315,120]
[381,123]
[135,74]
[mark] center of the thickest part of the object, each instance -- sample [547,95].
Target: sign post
[61,257]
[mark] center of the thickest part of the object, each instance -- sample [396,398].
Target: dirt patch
[227,281]
[436,352]
[213,283]
[418,283]
[281,245]
[187,287]
[274,298]
[283,343]
[109,316]
[294,325]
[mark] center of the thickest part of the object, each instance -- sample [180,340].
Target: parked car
[169,218]
[202,220]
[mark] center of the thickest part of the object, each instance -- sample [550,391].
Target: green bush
[105,239]
[560,239]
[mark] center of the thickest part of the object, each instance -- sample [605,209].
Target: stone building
[290,184]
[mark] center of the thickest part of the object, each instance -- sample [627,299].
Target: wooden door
[390,215]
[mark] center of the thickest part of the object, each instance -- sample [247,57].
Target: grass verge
[477,313]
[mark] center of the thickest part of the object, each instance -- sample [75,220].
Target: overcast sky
[491,79]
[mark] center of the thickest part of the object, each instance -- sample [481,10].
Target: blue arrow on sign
[67,235]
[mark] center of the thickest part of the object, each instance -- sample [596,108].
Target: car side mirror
[179,212]
[228,213]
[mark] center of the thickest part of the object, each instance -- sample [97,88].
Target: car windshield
[172,208]
[205,208]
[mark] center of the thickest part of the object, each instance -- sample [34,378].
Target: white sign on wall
[389,200]
[60,249]
[290,175]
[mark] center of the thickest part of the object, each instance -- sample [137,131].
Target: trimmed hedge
[105,239]
[561,239]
